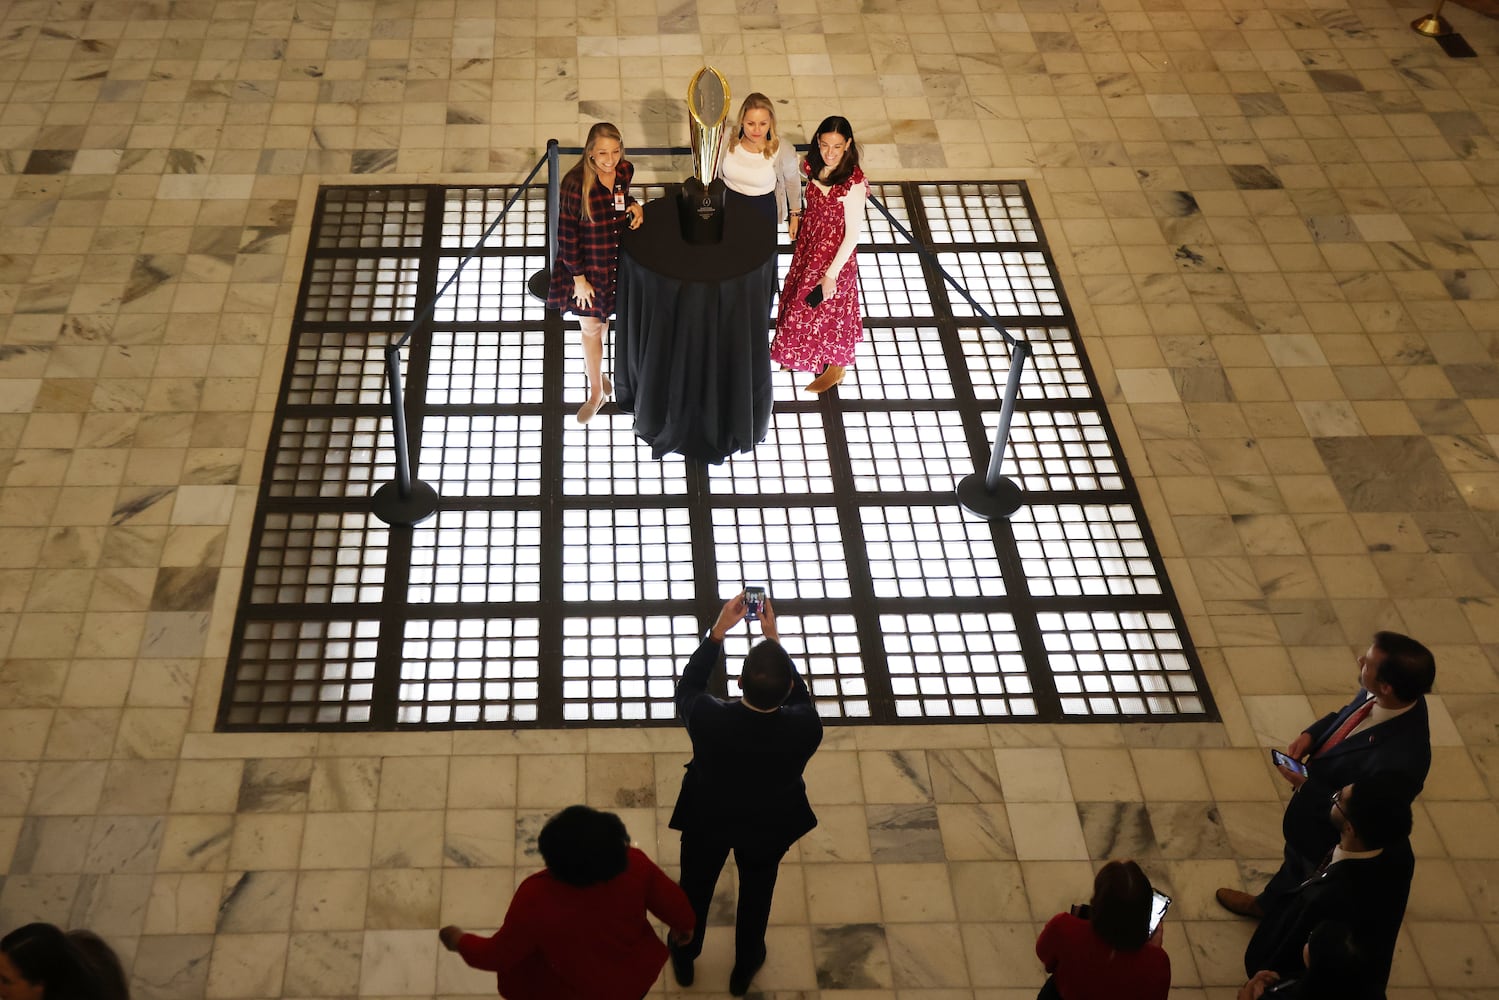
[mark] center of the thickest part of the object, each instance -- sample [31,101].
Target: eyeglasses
[1337,802]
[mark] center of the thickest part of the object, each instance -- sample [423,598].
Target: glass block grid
[606,459]
[476,557]
[372,217]
[489,290]
[1007,283]
[1109,663]
[360,290]
[482,455]
[878,229]
[901,363]
[797,552]
[611,555]
[1071,550]
[467,214]
[793,459]
[1059,451]
[1055,370]
[623,669]
[957,666]
[469,670]
[929,551]
[991,212]
[907,451]
[339,369]
[567,576]
[332,456]
[302,673]
[485,368]
[330,557]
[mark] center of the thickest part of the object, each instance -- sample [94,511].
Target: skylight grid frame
[486,632]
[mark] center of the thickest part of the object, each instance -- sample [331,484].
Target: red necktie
[1349,725]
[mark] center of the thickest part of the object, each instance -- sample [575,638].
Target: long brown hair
[759,102]
[585,172]
[1120,908]
[847,165]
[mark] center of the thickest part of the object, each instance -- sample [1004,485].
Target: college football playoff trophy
[700,205]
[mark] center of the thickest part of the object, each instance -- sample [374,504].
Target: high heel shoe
[831,376]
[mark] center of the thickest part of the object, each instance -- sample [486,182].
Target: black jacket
[744,782]
[1368,894]
[1402,745]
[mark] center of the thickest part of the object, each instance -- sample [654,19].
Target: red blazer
[561,942]
[1086,968]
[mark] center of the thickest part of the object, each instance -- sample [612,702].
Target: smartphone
[754,602]
[814,297]
[1159,904]
[1290,763]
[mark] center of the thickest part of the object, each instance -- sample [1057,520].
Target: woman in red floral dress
[595,200]
[820,334]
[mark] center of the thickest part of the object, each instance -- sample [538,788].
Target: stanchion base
[975,498]
[539,284]
[392,508]
[1432,25]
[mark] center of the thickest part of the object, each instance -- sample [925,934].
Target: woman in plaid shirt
[595,200]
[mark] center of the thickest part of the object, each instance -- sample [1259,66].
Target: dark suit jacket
[1402,745]
[1368,894]
[744,782]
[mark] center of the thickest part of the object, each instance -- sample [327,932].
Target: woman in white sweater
[757,166]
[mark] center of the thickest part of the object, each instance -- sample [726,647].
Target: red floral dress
[808,338]
[589,248]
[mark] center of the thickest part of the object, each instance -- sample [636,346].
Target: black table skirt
[692,358]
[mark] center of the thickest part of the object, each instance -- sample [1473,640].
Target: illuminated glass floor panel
[568,575]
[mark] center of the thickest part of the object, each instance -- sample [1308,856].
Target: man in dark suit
[743,790]
[1384,728]
[1364,882]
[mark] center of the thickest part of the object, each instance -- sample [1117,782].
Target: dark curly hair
[583,846]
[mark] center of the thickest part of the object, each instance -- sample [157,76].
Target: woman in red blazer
[578,930]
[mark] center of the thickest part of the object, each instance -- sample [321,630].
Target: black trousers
[703,857]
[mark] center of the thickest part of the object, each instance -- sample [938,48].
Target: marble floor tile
[851,956]
[398,963]
[842,894]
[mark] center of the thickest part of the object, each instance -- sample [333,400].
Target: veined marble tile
[256,901]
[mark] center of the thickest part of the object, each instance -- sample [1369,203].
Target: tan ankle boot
[831,376]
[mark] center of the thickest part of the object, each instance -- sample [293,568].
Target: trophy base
[700,210]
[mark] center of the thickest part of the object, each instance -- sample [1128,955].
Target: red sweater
[560,942]
[1086,968]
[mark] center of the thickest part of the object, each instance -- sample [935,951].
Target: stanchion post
[994,495]
[402,501]
[540,282]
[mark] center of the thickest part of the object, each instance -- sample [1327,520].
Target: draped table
[692,333]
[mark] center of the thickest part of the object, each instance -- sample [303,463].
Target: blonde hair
[759,102]
[585,170]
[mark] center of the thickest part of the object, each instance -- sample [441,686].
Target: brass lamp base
[1432,25]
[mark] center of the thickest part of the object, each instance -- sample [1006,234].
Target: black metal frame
[393,611]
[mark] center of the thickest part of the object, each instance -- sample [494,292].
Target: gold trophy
[700,205]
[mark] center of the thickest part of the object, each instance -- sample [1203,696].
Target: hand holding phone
[1289,763]
[754,602]
[1159,904]
[814,297]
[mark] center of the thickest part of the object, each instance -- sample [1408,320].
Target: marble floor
[1277,222]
